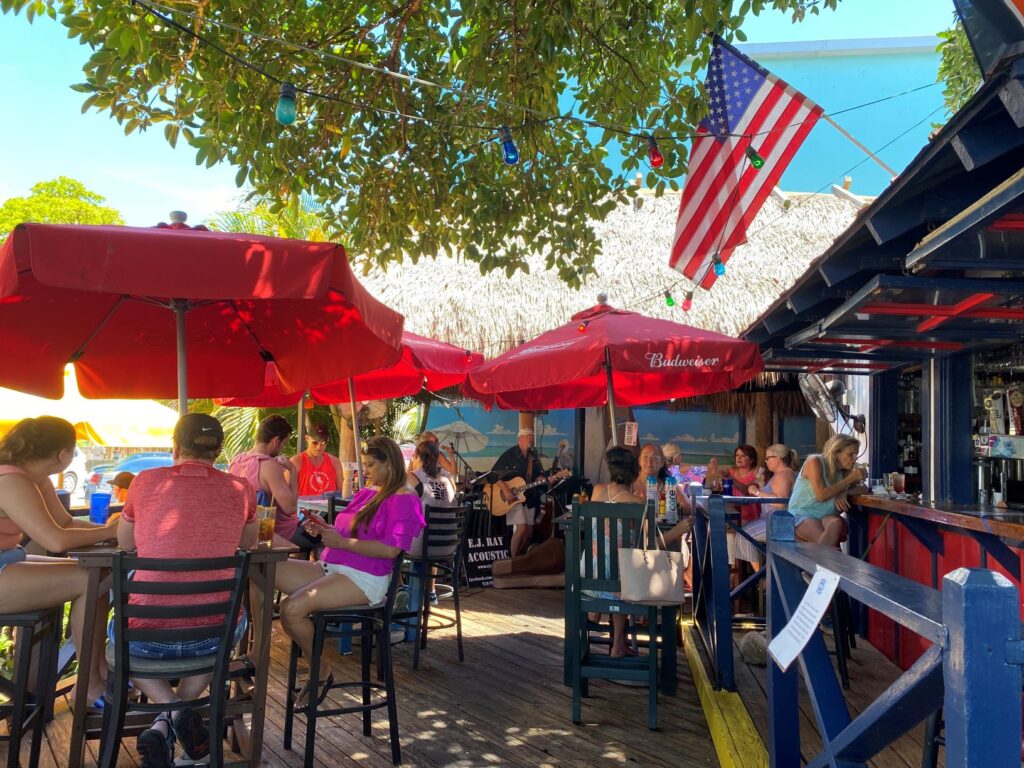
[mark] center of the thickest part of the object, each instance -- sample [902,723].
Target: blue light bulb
[285,112]
[508,147]
[719,269]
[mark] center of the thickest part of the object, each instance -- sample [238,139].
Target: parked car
[75,474]
[99,480]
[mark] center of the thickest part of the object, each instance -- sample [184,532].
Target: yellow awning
[115,423]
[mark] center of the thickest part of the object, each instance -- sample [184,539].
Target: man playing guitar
[520,460]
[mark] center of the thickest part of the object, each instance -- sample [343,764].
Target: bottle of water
[671,502]
[652,493]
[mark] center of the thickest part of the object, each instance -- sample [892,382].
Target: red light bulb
[654,154]
[688,301]
[582,326]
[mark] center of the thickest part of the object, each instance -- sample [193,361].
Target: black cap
[198,432]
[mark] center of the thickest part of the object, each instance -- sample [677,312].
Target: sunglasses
[317,442]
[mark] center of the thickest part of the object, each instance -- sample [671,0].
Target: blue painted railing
[712,597]
[972,669]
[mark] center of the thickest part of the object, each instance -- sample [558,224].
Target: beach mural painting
[699,434]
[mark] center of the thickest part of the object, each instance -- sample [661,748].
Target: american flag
[750,109]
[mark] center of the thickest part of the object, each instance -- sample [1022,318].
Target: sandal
[155,749]
[306,691]
[192,733]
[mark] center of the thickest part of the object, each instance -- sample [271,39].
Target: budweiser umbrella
[154,312]
[606,356]
[424,364]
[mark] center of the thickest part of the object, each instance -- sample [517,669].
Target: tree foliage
[59,201]
[958,69]
[407,169]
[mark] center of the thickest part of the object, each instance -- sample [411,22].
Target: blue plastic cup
[99,507]
[727,486]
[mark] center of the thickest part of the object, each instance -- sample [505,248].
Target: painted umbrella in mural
[131,306]
[608,356]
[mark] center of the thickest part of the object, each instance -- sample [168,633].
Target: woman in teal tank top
[819,494]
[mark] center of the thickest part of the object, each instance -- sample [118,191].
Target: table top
[100,555]
[974,517]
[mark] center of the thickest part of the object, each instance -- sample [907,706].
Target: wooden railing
[972,668]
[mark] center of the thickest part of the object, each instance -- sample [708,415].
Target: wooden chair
[598,531]
[33,631]
[224,581]
[371,623]
[440,555]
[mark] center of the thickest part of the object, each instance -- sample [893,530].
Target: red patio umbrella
[424,364]
[606,356]
[154,312]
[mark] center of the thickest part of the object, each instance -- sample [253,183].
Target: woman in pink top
[32,451]
[355,566]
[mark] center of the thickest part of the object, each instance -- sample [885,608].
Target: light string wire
[150,6]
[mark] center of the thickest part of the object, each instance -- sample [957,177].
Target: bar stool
[32,629]
[369,622]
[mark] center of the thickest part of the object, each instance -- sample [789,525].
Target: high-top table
[98,560]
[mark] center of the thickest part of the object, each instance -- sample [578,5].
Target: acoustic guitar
[498,507]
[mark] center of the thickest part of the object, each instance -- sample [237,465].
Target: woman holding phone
[355,566]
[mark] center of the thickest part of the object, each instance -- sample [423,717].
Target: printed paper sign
[632,430]
[794,637]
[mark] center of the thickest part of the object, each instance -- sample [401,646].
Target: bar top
[974,517]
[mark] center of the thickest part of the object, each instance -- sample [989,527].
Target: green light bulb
[669,300]
[285,112]
[755,159]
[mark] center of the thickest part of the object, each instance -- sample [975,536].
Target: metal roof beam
[811,295]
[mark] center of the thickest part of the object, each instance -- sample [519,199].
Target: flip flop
[324,689]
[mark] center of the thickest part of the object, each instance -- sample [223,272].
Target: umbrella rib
[264,353]
[77,354]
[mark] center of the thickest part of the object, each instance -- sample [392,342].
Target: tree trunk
[346,448]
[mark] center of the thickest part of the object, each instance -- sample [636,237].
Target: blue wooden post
[983,691]
[783,702]
[720,604]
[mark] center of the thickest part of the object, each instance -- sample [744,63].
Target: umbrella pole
[180,308]
[300,425]
[355,429]
[611,396]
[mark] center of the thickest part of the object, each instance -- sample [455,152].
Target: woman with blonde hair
[819,493]
[355,565]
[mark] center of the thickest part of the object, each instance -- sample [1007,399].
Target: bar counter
[973,517]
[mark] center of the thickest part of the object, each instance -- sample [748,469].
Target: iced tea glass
[898,483]
[265,516]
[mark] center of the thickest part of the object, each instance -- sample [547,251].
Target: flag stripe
[750,107]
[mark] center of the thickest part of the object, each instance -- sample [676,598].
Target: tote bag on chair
[651,576]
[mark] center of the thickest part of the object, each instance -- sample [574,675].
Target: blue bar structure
[972,669]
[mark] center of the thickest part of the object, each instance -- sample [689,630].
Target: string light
[509,152]
[653,153]
[719,267]
[756,161]
[688,301]
[582,326]
[669,301]
[285,112]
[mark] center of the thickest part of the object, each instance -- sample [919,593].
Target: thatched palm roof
[448,299]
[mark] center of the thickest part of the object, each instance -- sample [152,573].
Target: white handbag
[651,576]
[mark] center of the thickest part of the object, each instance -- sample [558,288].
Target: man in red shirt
[318,471]
[189,510]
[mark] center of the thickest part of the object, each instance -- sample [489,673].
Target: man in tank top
[318,471]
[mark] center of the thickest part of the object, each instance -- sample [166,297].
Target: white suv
[75,474]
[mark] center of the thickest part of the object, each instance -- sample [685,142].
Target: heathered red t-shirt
[189,510]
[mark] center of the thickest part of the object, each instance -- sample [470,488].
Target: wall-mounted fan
[827,401]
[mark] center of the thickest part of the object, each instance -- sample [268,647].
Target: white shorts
[374,587]
[520,514]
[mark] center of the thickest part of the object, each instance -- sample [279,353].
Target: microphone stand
[459,457]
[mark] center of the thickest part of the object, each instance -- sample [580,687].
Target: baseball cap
[123,479]
[525,432]
[319,432]
[198,432]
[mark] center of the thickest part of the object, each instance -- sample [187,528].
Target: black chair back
[222,584]
[442,535]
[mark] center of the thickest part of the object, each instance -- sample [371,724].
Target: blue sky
[144,178]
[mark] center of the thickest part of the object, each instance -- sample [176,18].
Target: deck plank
[504,706]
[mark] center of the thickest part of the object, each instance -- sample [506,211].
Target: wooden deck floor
[504,706]
[870,674]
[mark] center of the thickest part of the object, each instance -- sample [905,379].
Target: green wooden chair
[592,569]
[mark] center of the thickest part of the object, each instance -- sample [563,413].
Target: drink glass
[898,483]
[266,516]
[99,508]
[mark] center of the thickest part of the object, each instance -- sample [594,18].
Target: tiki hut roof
[448,299]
